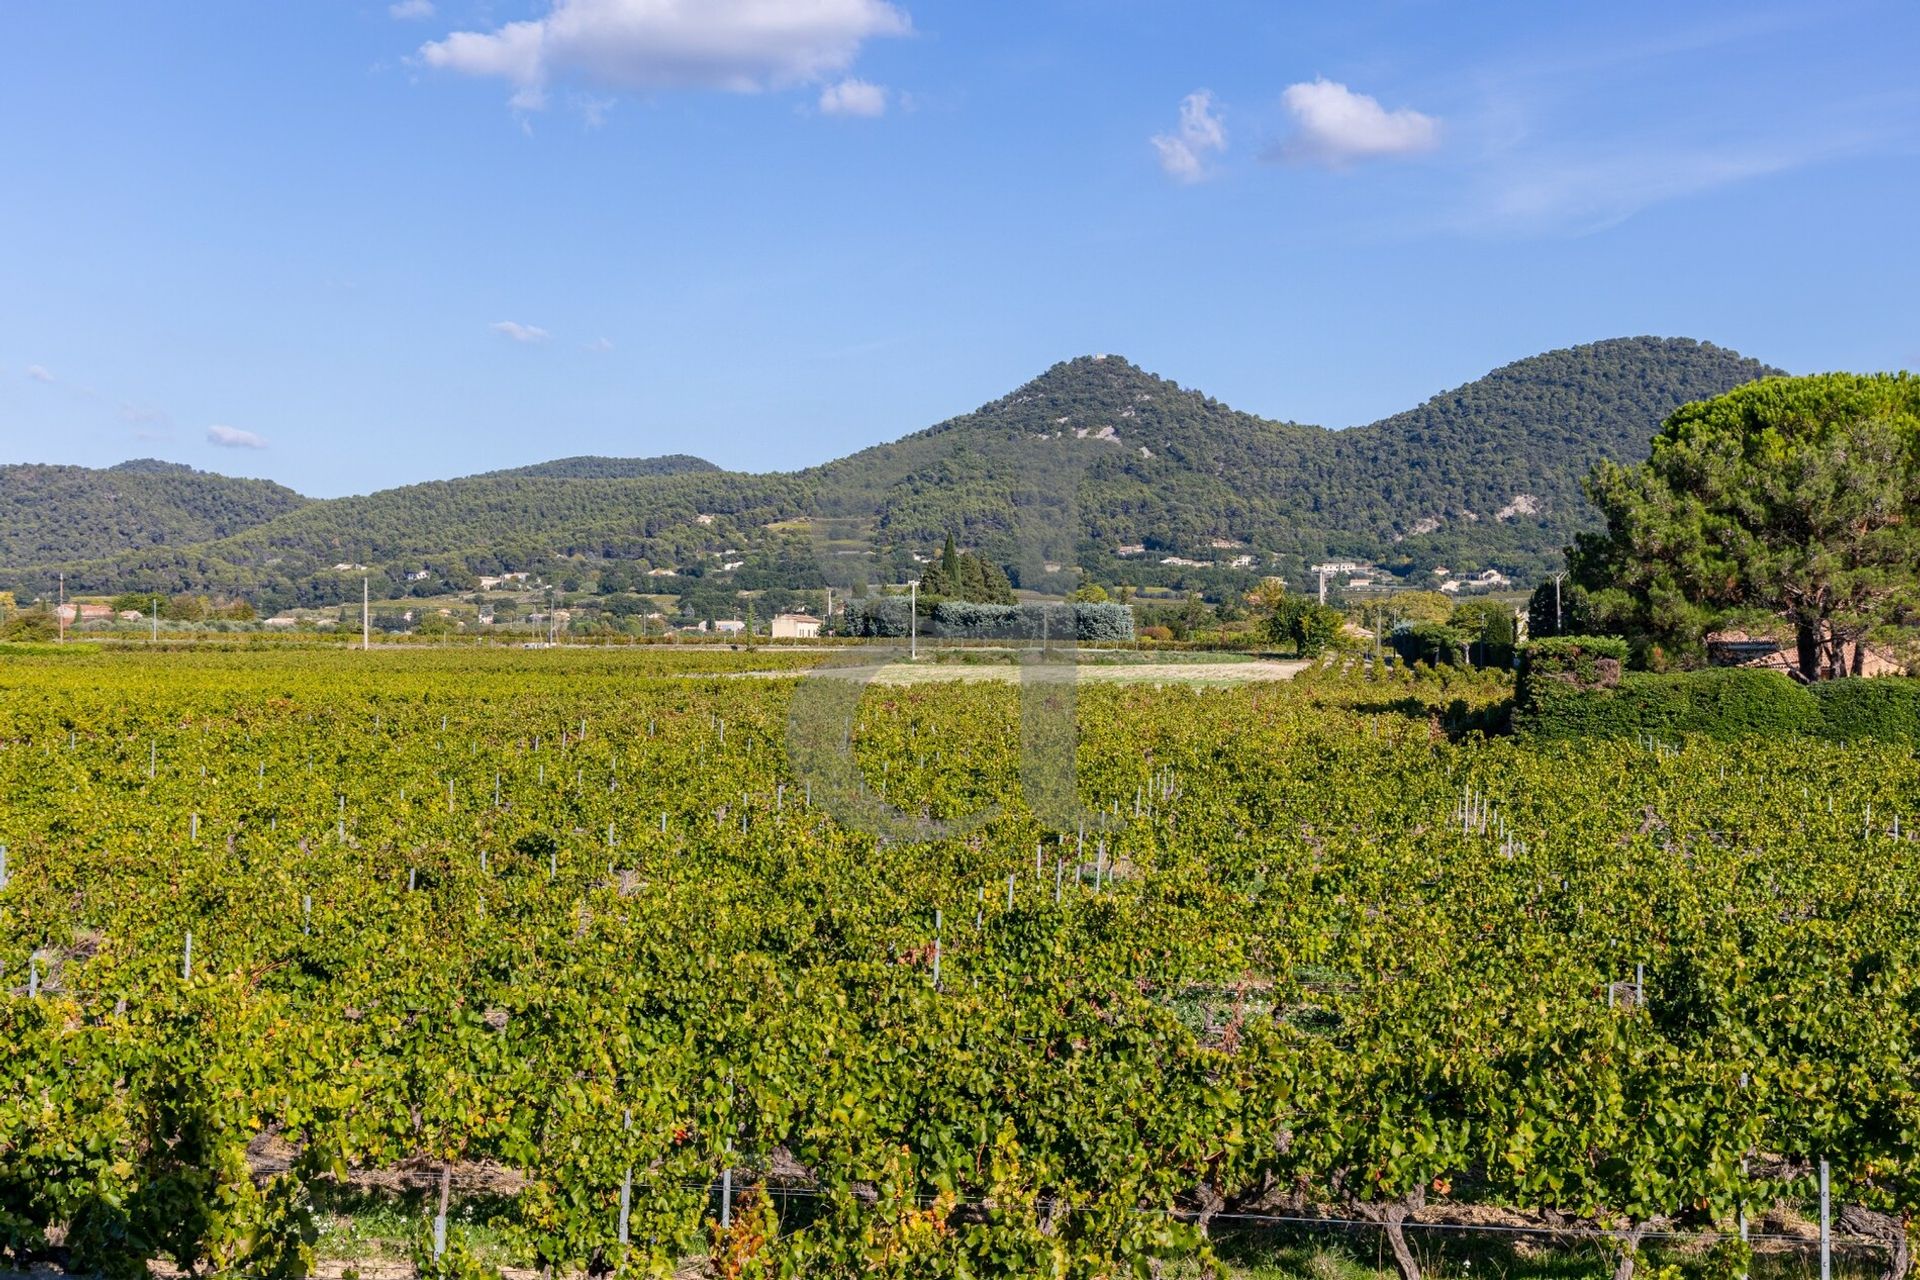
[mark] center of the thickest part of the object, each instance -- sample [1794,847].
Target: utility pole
[156,619]
[1559,614]
[366,619]
[913,621]
[61,612]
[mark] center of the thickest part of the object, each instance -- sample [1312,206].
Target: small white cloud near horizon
[1334,127]
[853,97]
[1183,153]
[528,333]
[235,438]
[410,10]
[600,345]
[40,373]
[645,46]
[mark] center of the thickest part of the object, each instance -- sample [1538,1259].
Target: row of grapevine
[580,917]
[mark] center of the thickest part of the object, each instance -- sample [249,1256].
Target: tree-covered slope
[1491,470]
[593,468]
[51,513]
[1096,452]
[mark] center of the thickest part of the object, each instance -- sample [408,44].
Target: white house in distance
[1485,580]
[795,626]
[729,626]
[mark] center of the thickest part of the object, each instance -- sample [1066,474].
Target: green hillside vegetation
[593,468]
[48,513]
[1095,454]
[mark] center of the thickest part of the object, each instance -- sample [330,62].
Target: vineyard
[573,926]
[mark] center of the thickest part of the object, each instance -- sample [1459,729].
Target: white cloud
[741,46]
[520,332]
[235,438]
[853,97]
[410,10]
[1183,153]
[39,373]
[601,345]
[1334,126]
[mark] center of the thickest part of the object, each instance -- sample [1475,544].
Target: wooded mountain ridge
[1127,470]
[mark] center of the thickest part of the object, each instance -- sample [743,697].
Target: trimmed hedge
[1885,709]
[1725,704]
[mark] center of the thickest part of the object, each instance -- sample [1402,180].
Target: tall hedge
[1726,704]
[886,617]
[879,617]
[1880,710]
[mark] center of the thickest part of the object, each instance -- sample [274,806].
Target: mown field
[300,947]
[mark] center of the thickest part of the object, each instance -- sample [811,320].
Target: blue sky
[353,244]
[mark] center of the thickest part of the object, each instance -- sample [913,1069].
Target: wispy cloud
[593,108]
[600,345]
[1582,192]
[411,10]
[1335,127]
[1201,134]
[528,333]
[1543,153]
[40,373]
[141,415]
[235,438]
[739,46]
[850,97]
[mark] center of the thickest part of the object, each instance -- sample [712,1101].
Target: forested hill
[52,514]
[592,468]
[1490,472]
[1486,475]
